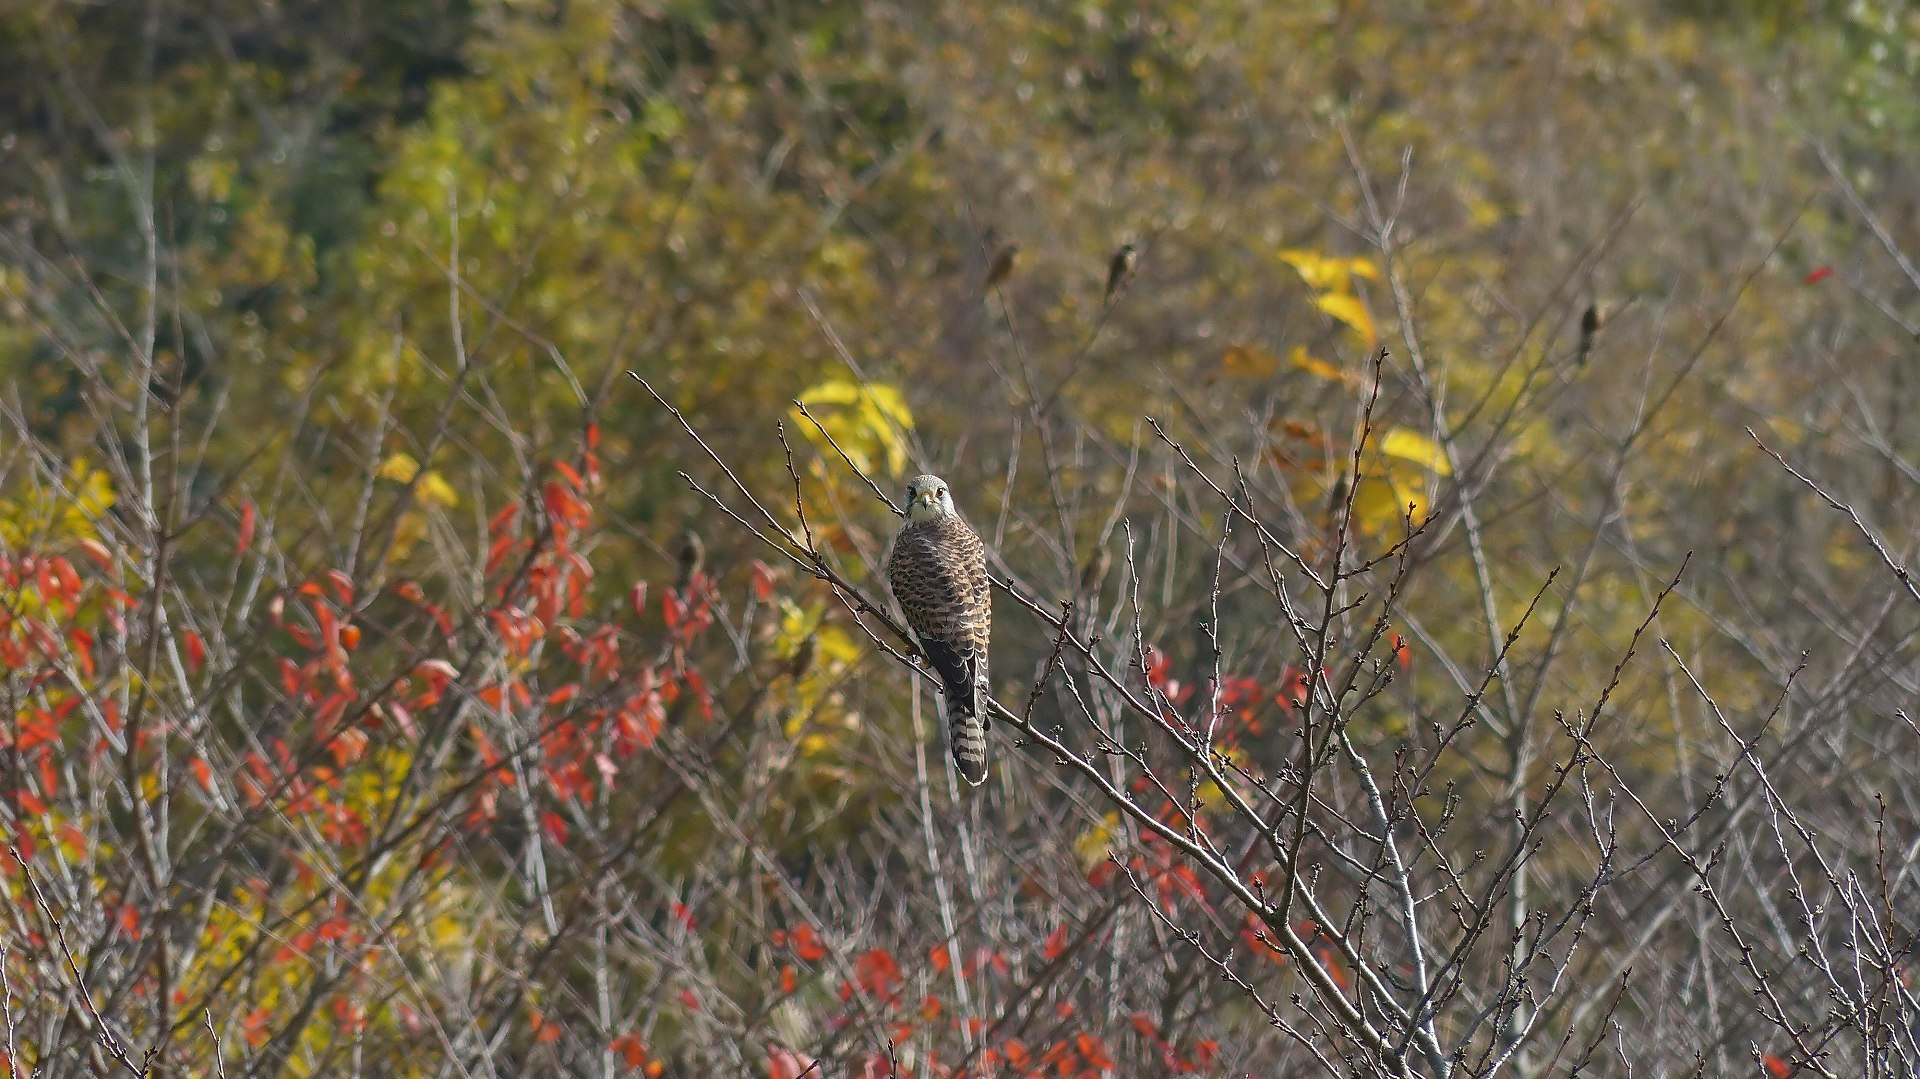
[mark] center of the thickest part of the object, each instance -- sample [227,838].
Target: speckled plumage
[938,572]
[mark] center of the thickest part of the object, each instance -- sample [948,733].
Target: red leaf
[877,972]
[1056,943]
[762,581]
[807,945]
[504,519]
[342,586]
[1818,275]
[1775,1066]
[245,538]
[690,1000]
[63,573]
[638,597]
[196,652]
[201,773]
[554,825]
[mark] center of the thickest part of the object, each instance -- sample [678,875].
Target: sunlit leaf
[1325,274]
[1350,310]
[435,490]
[67,511]
[868,421]
[399,467]
[1418,448]
[1317,367]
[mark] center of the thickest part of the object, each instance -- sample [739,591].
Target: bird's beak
[926,498]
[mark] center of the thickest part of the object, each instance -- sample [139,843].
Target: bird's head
[928,499]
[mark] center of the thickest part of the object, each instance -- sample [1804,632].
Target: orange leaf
[630,1050]
[347,746]
[97,551]
[1094,1051]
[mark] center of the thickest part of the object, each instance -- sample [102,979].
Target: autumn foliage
[1452,608]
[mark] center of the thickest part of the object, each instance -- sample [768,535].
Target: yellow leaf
[1382,506]
[1316,270]
[411,529]
[1094,844]
[1329,274]
[400,468]
[436,491]
[868,421]
[1318,367]
[66,512]
[1418,448]
[1350,310]
[1248,361]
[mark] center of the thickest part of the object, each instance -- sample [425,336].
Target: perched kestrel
[938,571]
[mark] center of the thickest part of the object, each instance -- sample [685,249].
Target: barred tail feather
[963,687]
[967,733]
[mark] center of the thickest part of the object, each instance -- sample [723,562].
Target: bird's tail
[967,730]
